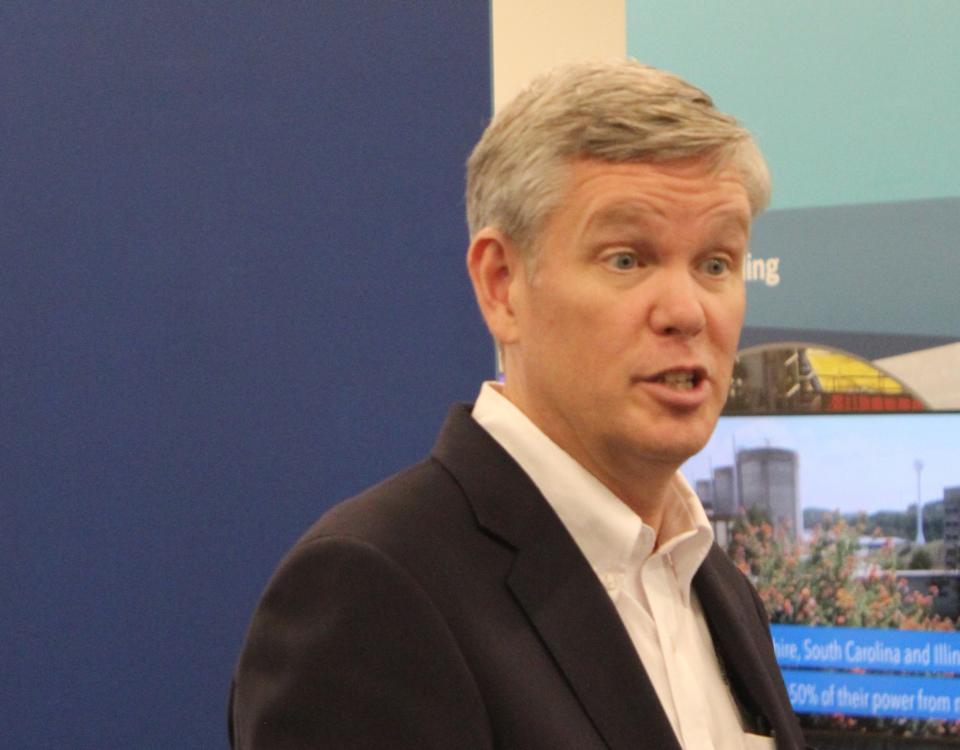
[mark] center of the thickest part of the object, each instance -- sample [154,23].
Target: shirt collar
[611,536]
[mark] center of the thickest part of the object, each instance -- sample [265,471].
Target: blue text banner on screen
[881,695]
[875,649]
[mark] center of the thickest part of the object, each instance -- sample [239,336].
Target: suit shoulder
[413,504]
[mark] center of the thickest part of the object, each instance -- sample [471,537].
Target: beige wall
[530,36]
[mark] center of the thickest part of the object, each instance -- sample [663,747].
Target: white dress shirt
[648,584]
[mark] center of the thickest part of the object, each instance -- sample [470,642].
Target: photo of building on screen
[759,494]
[848,524]
[799,378]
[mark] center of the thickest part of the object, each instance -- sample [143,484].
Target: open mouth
[681,380]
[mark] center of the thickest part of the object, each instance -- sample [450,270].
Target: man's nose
[677,308]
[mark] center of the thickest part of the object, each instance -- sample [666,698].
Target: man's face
[627,329]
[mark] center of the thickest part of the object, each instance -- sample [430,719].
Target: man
[546,579]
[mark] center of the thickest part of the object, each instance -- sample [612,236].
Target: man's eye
[715,266]
[623,261]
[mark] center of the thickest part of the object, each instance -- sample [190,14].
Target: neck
[641,482]
[643,488]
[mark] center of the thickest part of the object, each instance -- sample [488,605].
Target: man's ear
[496,269]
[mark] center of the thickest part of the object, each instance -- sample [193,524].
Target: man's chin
[675,446]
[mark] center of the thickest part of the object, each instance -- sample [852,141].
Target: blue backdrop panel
[232,294]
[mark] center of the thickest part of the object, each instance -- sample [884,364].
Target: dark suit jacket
[449,608]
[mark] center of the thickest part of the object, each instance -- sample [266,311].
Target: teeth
[680,380]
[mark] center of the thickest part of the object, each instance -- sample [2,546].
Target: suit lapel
[743,645]
[580,626]
[558,590]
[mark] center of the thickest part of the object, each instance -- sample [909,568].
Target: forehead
[599,194]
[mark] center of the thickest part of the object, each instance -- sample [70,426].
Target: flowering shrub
[829,580]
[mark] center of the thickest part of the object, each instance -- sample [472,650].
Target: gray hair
[620,111]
